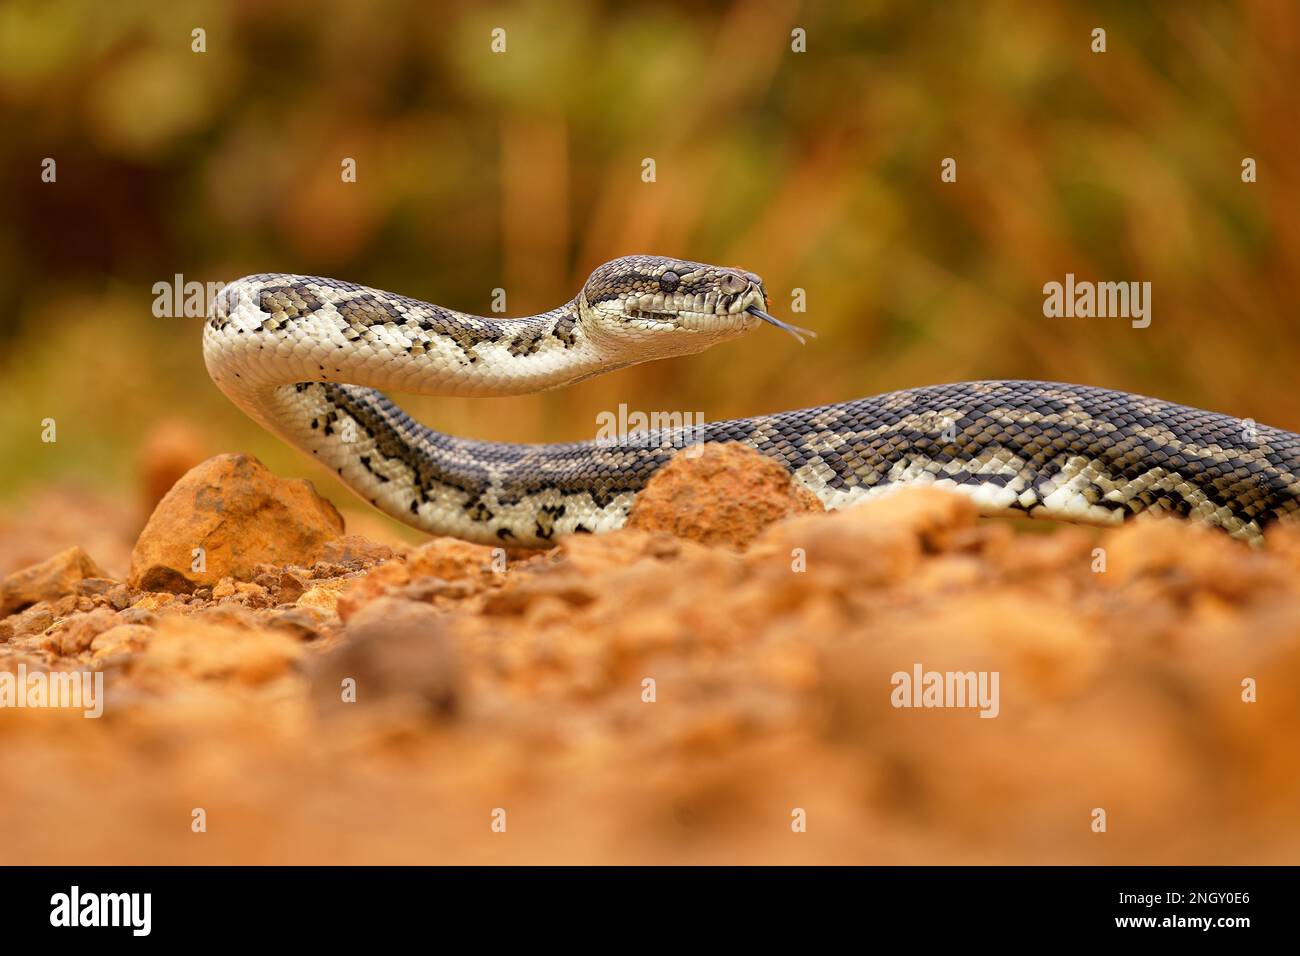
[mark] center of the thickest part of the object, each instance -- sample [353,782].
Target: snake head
[670,306]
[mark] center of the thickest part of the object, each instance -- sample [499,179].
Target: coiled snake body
[304,356]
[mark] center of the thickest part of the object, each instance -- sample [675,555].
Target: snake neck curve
[268,331]
[305,357]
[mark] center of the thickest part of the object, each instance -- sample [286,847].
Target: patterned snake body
[305,356]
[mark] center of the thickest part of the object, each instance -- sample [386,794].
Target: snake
[310,359]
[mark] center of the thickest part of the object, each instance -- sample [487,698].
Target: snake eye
[733,284]
[669,280]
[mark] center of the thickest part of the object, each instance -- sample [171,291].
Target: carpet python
[305,357]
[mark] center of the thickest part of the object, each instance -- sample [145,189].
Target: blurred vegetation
[818,170]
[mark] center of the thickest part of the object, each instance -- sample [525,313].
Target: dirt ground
[716,684]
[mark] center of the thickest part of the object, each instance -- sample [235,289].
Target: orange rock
[454,560]
[376,584]
[1181,560]
[74,634]
[397,652]
[323,597]
[34,620]
[869,544]
[354,549]
[153,601]
[719,495]
[442,559]
[1283,541]
[50,579]
[592,554]
[215,651]
[241,515]
[120,641]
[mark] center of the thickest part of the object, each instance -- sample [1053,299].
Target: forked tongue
[797,331]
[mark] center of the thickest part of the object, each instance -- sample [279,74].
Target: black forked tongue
[795,330]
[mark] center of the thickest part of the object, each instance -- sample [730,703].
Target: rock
[96,587]
[71,604]
[252,595]
[872,544]
[209,650]
[300,623]
[119,641]
[282,586]
[353,549]
[75,634]
[570,589]
[153,601]
[590,554]
[52,578]
[1284,541]
[719,495]
[425,589]
[448,560]
[34,620]
[138,615]
[231,613]
[119,596]
[241,515]
[322,598]
[398,653]
[1163,555]
[454,560]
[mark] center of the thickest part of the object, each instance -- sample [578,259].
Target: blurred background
[522,170]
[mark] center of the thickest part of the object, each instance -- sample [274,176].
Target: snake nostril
[733,284]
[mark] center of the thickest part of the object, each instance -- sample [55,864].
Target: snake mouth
[714,313]
[666,319]
[689,320]
[797,331]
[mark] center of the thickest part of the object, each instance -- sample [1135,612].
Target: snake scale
[305,357]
